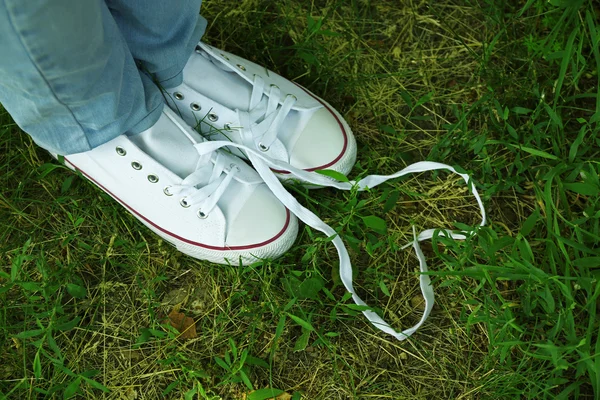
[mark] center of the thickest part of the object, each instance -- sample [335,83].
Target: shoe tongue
[218,82]
[168,145]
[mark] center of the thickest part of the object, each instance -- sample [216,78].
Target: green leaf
[564,65]
[388,129]
[170,388]
[554,116]
[314,24]
[384,288]
[222,364]
[67,326]
[537,152]
[90,373]
[278,333]
[338,176]
[76,291]
[302,341]
[301,322]
[72,388]
[586,189]
[54,346]
[391,201]
[37,366]
[47,168]
[375,223]
[251,360]
[234,349]
[424,99]
[576,143]
[145,335]
[521,110]
[513,133]
[310,288]
[30,286]
[587,262]
[530,223]
[30,334]
[264,394]
[407,99]
[245,379]
[190,394]
[67,184]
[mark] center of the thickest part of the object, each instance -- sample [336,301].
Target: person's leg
[67,77]
[160,34]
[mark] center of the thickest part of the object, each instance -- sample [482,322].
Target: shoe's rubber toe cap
[263,226]
[326,142]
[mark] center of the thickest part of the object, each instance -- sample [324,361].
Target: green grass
[508,92]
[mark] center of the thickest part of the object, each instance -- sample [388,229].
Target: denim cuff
[173,76]
[148,121]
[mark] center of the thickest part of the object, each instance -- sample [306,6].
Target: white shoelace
[263,165]
[262,123]
[207,196]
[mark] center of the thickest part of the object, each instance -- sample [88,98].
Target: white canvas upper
[210,206]
[234,99]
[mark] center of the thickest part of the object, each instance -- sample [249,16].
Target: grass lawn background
[508,91]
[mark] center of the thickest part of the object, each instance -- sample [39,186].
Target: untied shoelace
[260,125]
[263,165]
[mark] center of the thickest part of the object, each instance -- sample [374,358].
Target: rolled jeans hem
[173,76]
[148,121]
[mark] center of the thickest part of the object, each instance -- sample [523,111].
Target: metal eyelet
[184,203]
[293,97]
[233,166]
[120,151]
[152,178]
[274,86]
[178,96]
[262,147]
[240,66]
[224,56]
[136,165]
[201,214]
[227,126]
[198,49]
[166,191]
[195,107]
[212,117]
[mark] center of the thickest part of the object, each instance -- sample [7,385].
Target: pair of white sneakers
[207,201]
[210,204]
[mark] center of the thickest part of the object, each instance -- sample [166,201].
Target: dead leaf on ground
[282,396]
[184,324]
[418,302]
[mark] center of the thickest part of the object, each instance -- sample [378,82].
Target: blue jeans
[71,71]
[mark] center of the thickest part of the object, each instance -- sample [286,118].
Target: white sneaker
[234,99]
[209,204]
